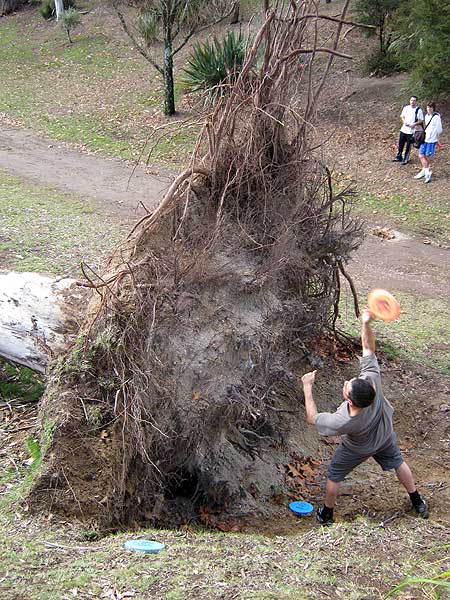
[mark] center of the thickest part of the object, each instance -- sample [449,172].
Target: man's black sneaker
[324,516]
[405,162]
[396,159]
[421,509]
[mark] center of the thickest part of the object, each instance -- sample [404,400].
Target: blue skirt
[427,148]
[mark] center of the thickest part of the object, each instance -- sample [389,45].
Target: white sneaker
[420,175]
[428,178]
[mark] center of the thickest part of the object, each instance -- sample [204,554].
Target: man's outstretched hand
[309,378]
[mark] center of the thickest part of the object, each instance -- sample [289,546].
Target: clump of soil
[178,398]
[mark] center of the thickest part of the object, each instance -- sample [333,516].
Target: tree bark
[169,93]
[59,8]
[235,14]
[38,317]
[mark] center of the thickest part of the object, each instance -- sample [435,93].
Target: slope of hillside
[106,100]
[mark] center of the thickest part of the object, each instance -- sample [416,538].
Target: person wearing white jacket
[433,129]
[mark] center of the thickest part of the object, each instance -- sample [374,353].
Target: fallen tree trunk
[38,317]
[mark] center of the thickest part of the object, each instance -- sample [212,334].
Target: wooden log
[39,316]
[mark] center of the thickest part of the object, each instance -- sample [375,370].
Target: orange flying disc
[383,305]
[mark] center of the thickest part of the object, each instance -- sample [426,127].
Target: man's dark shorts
[344,460]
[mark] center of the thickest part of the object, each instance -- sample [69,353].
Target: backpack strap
[430,120]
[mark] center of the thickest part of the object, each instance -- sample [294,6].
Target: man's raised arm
[310,405]
[367,335]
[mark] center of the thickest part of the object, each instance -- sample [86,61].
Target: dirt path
[401,264]
[49,163]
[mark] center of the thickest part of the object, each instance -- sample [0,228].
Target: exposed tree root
[184,362]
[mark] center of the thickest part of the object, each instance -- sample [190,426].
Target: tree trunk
[169,95]
[38,316]
[59,8]
[381,36]
[235,14]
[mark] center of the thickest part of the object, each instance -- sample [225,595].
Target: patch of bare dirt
[126,189]
[403,264]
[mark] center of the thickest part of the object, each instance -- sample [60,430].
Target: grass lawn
[45,230]
[47,560]
[421,215]
[418,335]
[104,96]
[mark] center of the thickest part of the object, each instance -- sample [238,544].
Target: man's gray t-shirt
[369,430]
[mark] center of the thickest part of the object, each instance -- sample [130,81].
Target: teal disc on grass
[144,546]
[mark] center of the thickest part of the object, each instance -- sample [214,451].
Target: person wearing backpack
[411,116]
[433,129]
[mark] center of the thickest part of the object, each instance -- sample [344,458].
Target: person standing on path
[364,420]
[411,116]
[433,129]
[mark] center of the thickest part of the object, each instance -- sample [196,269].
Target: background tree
[422,44]
[59,9]
[69,20]
[173,22]
[50,9]
[8,6]
[235,15]
[380,13]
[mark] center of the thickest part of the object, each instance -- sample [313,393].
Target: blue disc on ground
[301,508]
[144,546]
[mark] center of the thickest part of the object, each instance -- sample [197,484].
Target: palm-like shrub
[213,65]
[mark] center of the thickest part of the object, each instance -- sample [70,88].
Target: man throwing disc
[364,420]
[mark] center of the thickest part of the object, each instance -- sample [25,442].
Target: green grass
[250,8]
[430,584]
[172,147]
[48,231]
[418,215]
[91,132]
[420,333]
[92,104]
[20,382]
[213,565]
[103,93]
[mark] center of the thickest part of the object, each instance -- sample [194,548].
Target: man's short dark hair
[415,97]
[362,392]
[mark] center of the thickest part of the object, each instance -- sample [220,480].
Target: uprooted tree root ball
[178,393]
